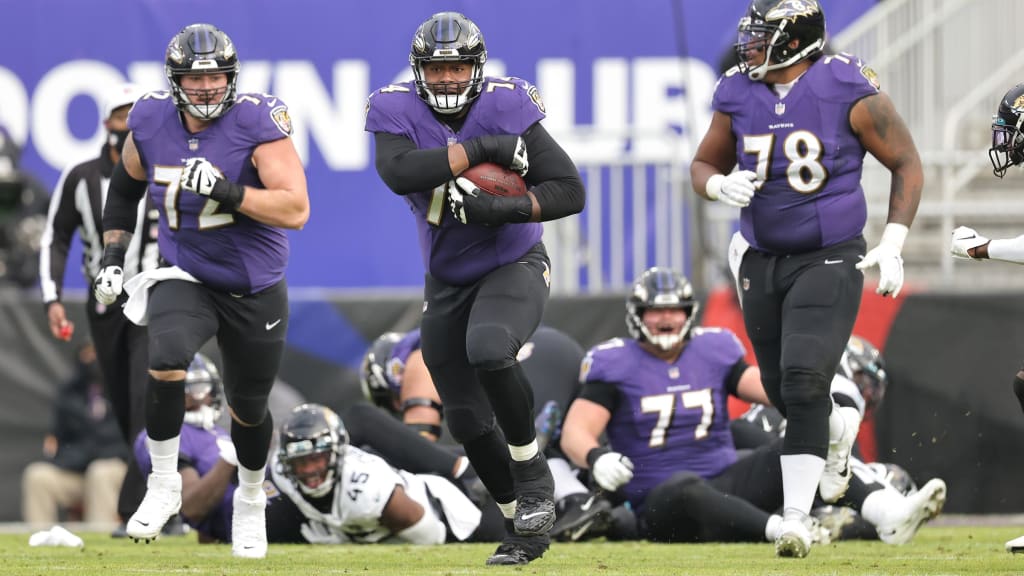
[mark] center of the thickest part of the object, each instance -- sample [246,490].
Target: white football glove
[108,285]
[457,198]
[520,161]
[887,257]
[227,450]
[964,239]
[736,189]
[200,176]
[612,470]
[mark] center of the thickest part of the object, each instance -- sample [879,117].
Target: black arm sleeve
[732,381]
[407,169]
[123,195]
[555,181]
[604,393]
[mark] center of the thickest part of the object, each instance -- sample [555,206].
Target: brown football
[495,179]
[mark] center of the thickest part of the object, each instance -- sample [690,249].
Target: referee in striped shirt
[77,204]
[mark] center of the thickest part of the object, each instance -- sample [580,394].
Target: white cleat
[1015,546]
[794,539]
[249,526]
[917,509]
[162,501]
[835,479]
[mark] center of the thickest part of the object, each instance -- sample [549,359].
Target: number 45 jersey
[669,416]
[803,149]
[366,483]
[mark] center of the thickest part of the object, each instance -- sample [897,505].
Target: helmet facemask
[202,49]
[1007,143]
[660,288]
[314,482]
[769,27]
[448,37]
[663,340]
[448,98]
[313,433]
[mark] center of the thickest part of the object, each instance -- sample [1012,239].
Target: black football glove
[203,178]
[506,150]
[471,205]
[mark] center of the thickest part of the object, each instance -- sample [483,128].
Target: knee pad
[249,410]
[465,424]
[490,347]
[810,353]
[167,351]
[805,388]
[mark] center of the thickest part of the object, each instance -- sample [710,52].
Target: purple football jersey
[671,416]
[227,251]
[803,143]
[453,252]
[199,449]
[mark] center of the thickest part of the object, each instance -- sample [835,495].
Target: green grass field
[935,550]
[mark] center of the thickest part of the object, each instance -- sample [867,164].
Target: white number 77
[664,405]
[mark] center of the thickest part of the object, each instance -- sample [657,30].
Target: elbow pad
[121,209]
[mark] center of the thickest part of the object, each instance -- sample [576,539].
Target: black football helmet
[1007,140]
[660,288]
[448,37]
[770,25]
[373,372]
[201,49]
[312,430]
[863,364]
[203,386]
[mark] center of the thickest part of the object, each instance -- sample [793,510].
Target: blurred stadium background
[628,89]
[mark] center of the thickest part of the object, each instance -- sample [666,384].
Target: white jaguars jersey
[844,385]
[366,484]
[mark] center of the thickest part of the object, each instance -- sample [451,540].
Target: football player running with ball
[488,273]
[797,123]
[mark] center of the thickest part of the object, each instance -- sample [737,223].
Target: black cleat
[518,550]
[535,503]
[581,517]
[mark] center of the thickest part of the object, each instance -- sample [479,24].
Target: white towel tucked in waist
[137,306]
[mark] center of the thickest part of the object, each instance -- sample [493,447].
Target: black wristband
[411,402]
[475,152]
[228,193]
[596,453]
[520,208]
[113,255]
[423,429]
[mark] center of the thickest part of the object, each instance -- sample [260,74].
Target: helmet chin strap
[665,341]
[322,489]
[757,74]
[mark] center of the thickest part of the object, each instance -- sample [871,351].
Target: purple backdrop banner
[603,67]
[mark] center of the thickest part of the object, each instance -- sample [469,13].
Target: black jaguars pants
[490,319]
[799,311]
